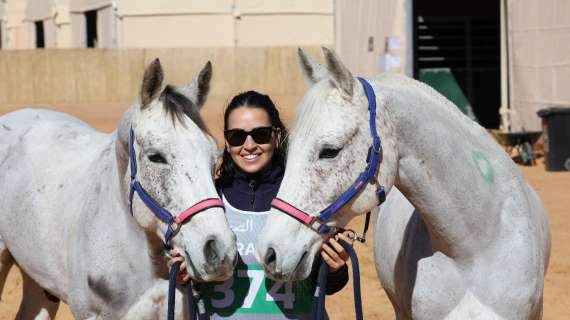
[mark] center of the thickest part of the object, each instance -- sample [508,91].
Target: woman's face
[252,156]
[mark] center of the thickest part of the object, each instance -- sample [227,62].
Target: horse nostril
[211,253]
[270,259]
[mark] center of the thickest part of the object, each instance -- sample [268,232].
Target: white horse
[65,217]
[477,246]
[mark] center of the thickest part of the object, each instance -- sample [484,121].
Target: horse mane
[177,105]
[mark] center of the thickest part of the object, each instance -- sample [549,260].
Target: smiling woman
[254,133]
[249,177]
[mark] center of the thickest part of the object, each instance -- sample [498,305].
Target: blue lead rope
[172,289]
[319,310]
[195,311]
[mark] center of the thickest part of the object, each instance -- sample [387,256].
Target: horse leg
[6,262]
[471,308]
[36,303]
[439,287]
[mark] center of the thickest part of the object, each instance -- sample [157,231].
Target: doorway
[458,45]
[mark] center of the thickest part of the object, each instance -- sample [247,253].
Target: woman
[251,171]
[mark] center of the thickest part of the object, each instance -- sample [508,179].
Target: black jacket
[255,193]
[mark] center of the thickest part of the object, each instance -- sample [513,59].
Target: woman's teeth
[250,156]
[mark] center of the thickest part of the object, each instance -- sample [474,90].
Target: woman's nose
[249,143]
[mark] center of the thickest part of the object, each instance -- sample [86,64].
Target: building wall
[80,76]
[176,31]
[176,23]
[2,23]
[539,56]
[17,33]
[363,29]
[225,23]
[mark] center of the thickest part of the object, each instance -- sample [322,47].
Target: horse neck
[435,169]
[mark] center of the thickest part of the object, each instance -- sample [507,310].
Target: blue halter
[136,187]
[369,174]
[174,222]
[318,223]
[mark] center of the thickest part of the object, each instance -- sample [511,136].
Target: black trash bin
[556,127]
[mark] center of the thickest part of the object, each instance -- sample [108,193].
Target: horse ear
[341,76]
[122,148]
[199,87]
[152,82]
[312,71]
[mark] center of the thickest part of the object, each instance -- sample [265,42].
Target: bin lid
[553,111]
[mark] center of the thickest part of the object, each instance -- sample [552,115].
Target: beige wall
[539,39]
[2,24]
[63,23]
[168,7]
[225,23]
[357,21]
[113,75]
[285,30]
[180,23]
[176,31]
[20,33]
[17,36]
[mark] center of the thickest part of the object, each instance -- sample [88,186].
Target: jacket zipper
[252,187]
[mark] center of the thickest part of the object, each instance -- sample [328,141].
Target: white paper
[393,44]
[390,62]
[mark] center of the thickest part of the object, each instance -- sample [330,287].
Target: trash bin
[556,127]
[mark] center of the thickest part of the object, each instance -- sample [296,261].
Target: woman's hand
[333,253]
[182,277]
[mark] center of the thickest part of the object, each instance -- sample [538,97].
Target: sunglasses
[237,137]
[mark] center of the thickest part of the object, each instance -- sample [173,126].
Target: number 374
[287,296]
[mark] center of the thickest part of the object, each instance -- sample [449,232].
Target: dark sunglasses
[236,137]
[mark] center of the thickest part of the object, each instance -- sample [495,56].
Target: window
[91,28]
[40,36]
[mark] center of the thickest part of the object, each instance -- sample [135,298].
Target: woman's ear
[277,137]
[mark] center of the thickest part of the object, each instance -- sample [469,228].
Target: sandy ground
[553,188]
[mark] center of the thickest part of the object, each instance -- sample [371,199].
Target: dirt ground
[553,188]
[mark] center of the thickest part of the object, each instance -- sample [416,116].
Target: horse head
[328,149]
[167,152]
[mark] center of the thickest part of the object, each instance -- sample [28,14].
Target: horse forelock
[178,106]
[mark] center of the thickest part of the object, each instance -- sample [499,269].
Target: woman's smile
[251,157]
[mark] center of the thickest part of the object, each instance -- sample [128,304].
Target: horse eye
[328,153]
[157,158]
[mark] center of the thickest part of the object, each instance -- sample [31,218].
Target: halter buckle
[316,223]
[174,228]
[373,149]
[355,236]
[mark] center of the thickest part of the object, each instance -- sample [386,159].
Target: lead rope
[319,310]
[196,310]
